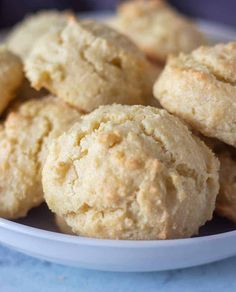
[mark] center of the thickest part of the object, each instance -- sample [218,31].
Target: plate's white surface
[115,255]
[37,235]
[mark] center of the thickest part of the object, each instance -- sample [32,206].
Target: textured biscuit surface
[24,140]
[88,64]
[200,88]
[131,172]
[156,28]
[23,37]
[11,77]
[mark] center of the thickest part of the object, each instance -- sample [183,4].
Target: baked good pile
[126,129]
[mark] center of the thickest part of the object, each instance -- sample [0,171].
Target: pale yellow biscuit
[156,28]
[23,36]
[226,199]
[24,140]
[11,77]
[88,64]
[200,88]
[131,172]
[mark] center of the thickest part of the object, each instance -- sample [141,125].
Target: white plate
[116,255]
[37,235]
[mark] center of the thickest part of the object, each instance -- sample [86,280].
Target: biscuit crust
[131,172]
[200,88]
[24,140]
[88,64]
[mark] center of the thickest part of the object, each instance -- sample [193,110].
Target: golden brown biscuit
[87,64]
[156,28]
[24,140]
[131,172]
[22,38]
[200,88]
[11,77]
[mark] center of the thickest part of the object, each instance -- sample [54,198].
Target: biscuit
[24,140]
[131,172]
[226,200]
[11,77]
[200,88]
[62,225]
[23,36]
[88,64]
[151,100]
[156,28]
[24,93]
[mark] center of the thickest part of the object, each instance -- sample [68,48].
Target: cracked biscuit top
[200,88]
[131,172]
[24,140]
[88,64]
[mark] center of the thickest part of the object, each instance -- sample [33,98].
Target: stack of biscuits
[126,129]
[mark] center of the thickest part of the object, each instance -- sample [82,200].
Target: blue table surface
[22,273]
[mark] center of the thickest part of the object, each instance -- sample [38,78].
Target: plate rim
[90,241]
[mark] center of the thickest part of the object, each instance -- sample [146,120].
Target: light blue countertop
[22,273]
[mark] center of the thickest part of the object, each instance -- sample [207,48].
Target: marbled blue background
[22,273]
